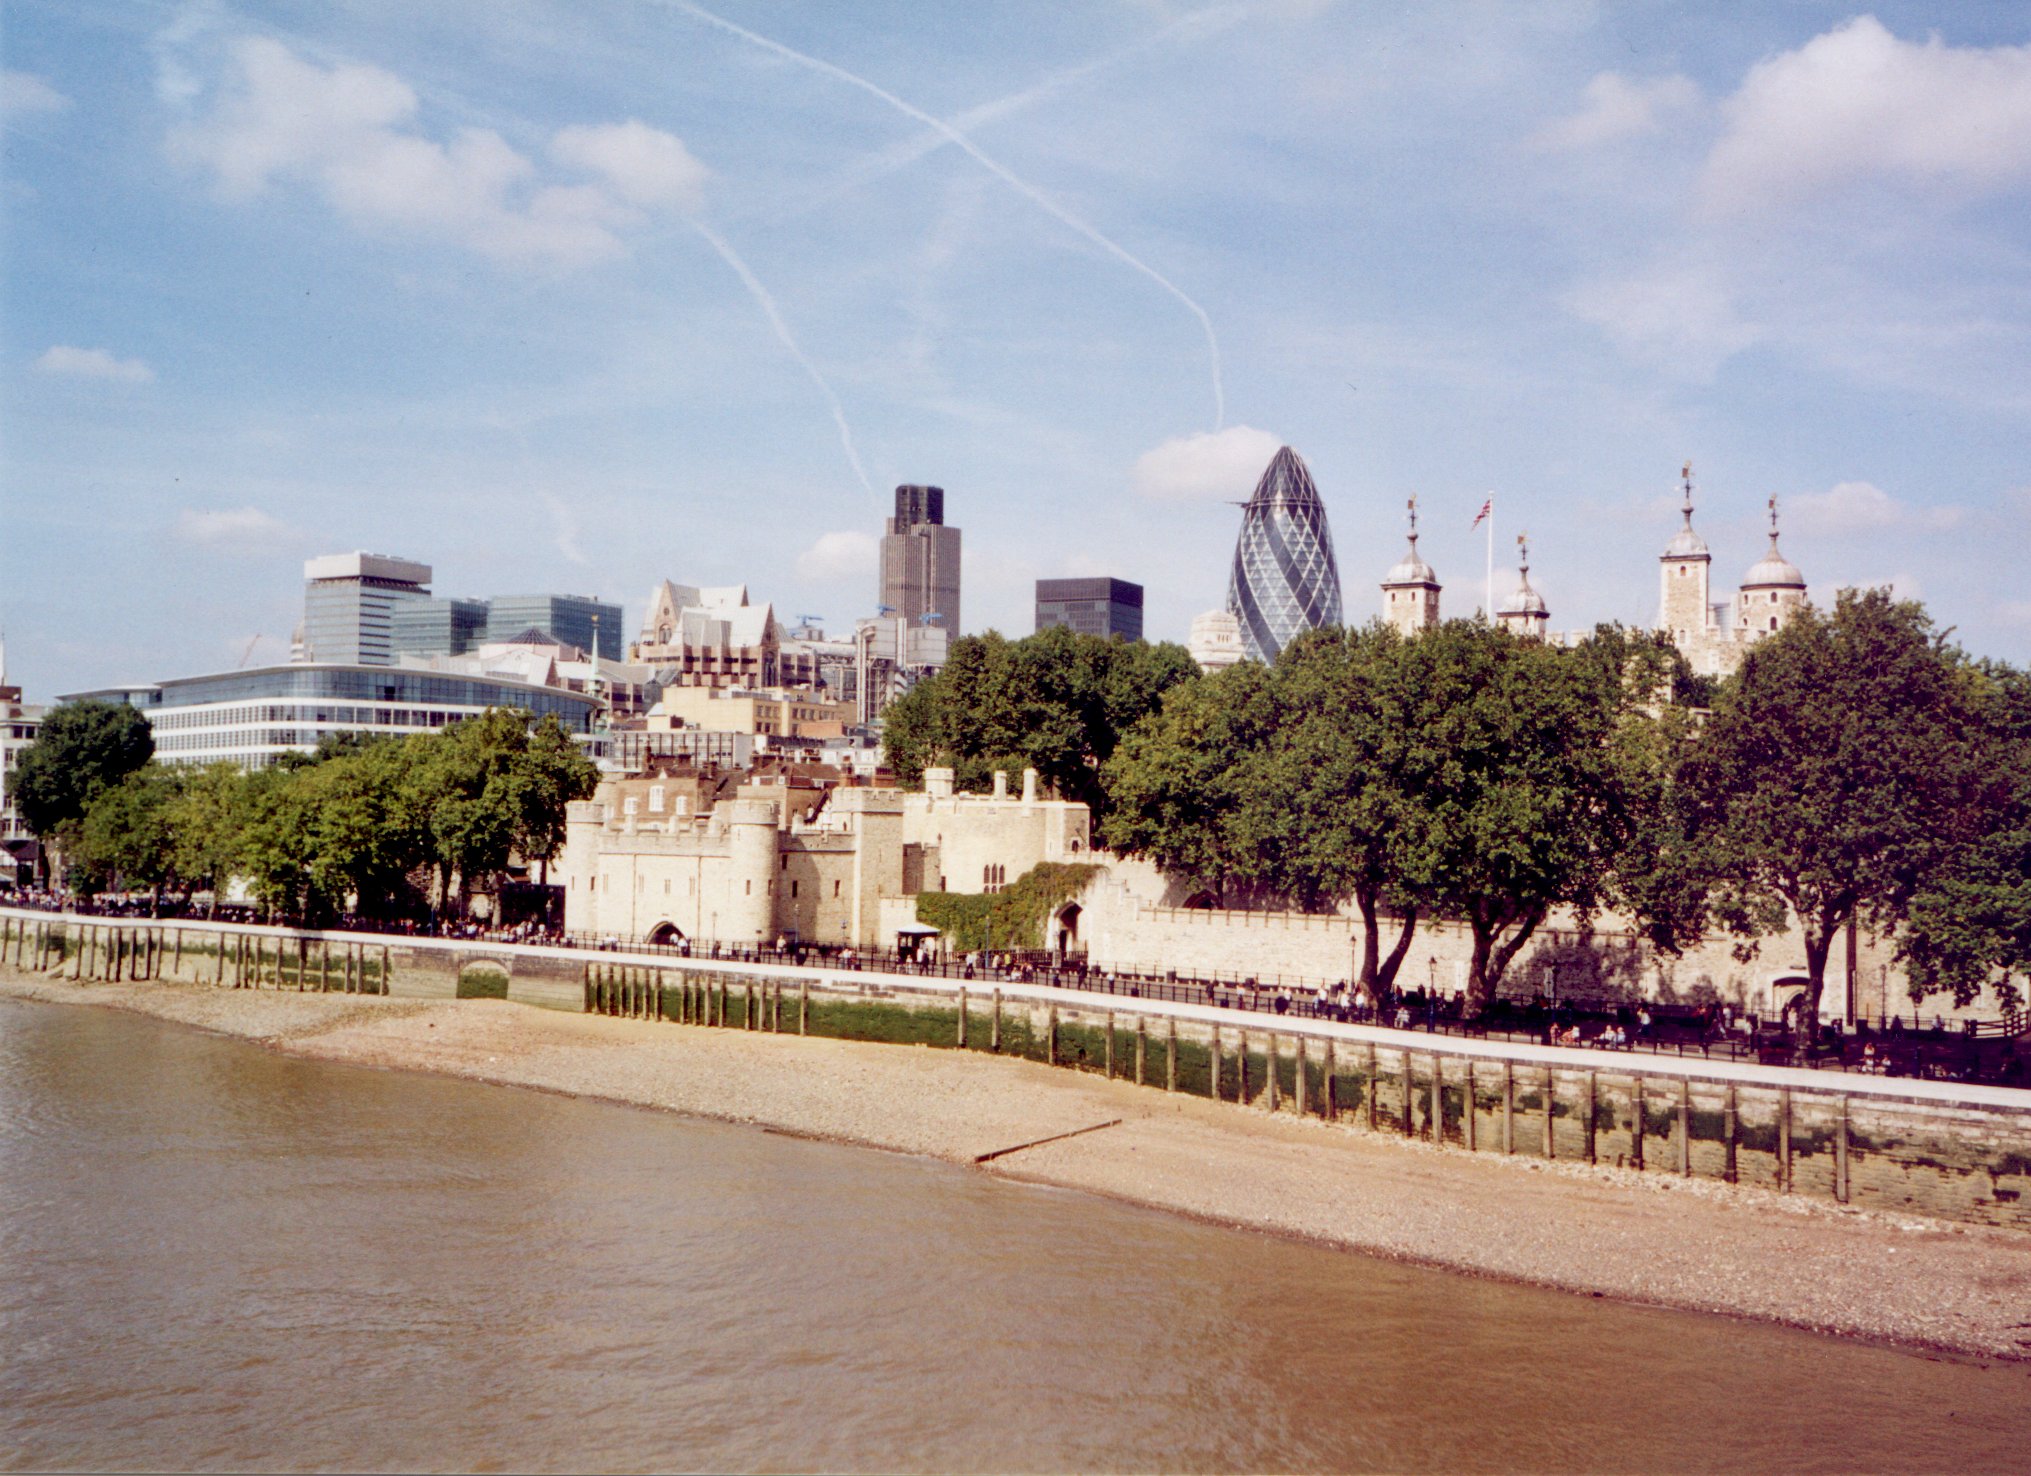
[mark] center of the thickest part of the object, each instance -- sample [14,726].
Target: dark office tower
[1102,607]
[570,620]
[920,560]
[1285,580]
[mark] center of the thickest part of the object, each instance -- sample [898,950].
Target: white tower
[1410,590]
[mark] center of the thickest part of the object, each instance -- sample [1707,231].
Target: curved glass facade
[1285,580]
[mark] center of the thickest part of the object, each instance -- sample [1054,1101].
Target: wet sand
[1644,1238]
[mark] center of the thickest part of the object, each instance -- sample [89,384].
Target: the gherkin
[1285,580]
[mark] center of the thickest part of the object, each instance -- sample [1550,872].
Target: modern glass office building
[570,620]
[1102,607]
[251,718]
[1285,579]
[349,604]
[437,627]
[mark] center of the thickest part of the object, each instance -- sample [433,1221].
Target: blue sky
[583,296]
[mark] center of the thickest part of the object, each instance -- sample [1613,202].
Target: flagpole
[1489,606]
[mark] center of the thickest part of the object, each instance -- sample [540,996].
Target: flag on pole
[1486,508]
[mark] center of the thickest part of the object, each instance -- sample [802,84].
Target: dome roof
[1773,571]
[1526,601]
[1412,570]
[1686,544]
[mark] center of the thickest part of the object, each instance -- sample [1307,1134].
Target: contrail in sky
[768,307]
[1035,196]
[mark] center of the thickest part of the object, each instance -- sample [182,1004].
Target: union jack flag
[1486,508]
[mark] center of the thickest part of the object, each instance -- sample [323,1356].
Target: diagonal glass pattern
[1285,580]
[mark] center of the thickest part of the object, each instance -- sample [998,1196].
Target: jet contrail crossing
[768,306]
[1022,187]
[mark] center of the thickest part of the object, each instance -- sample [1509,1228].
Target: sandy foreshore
[1650,1239]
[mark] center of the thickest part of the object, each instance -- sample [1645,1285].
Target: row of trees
[384,827]
[1857,769]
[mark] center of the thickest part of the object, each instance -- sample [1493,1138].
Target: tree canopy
[81,750]
[1056,701]
[1842,769]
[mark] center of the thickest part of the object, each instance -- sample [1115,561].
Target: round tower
[1772,591]
[1410,590]
[1524,612]
[751,833]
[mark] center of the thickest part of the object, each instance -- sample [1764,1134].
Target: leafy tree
[558,773]
[1180,791]
[1057,701]
[82,749]
[1969,922]
[1838,775]
[208,819]
[1517,787]
[126,840]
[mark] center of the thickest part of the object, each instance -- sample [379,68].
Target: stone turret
[1524,612]
[1684,611]
[751,833]
[1410,590]
[1772,591]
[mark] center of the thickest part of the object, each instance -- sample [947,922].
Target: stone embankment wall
[1941,1149]
[1121,929]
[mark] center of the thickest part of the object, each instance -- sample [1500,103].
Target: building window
[749,886]
[656,798]
[793,889]
[835,889]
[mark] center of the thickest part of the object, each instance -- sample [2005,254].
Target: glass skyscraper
[1285,580]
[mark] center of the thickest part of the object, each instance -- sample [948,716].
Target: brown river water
[214,1256]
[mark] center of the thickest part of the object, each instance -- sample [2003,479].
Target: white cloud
[1858,103]
[1860,507]
[1678,316]
[348,132]
[1617,107]
[644,165]
[1212,464]
[24,92]
[233,527]
[841,555]
[84,363]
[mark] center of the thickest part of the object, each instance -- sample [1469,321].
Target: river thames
[220,1257]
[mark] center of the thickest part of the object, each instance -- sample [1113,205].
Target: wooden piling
[1051,1037]
[1784,1140]
[1141,1045]
[1438,1113]
[1171,1056]
[1298,1096]
[1636,1122]
[1329,1088]
[1729,1135]
[1467,1103]
[1213,1064]
[994,1028]
[1508,1106]
[387,971]
[1593,1101]
[1274,1060]
[1550,1107]
[1107,1055]
[1684,1128]
[1374,1075]
[1406,1125]
[1841,1153]
[962,1017]
[804,1007]
[1241,1069]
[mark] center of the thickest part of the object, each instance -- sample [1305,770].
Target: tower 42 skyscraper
[1285,580]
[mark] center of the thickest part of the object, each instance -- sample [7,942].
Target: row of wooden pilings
[119,952]
[638,993]
[758,1004]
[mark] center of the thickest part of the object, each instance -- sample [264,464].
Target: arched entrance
[665,935]
[484,977]
[1067,925]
